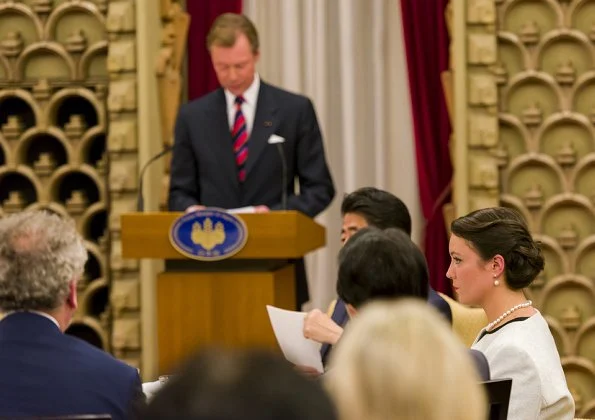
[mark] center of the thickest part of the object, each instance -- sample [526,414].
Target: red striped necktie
[239,134]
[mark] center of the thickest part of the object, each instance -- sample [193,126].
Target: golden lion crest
[207,236]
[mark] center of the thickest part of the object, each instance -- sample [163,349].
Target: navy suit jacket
[203,168]
[44,372]
[340,316]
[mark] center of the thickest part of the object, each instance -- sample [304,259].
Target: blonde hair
[226,28]
[400,361]
[40,254]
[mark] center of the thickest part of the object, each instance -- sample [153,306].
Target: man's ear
[72,295]
[351,311]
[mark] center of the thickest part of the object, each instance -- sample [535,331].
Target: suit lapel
[264,126]
[221,142]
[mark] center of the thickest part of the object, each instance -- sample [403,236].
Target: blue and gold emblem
[208,235]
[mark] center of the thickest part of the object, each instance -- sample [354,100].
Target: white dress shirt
[248,107]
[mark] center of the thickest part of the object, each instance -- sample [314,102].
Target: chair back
[498,394]
[467,322]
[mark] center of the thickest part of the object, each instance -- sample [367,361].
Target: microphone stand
[140,202]
[284,176]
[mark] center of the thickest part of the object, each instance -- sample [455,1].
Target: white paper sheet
[151,388]
[239,210]
[288,327]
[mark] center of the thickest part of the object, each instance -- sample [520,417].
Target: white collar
[43,314]
[250,95]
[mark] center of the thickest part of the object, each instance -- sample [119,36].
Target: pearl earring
[496,281]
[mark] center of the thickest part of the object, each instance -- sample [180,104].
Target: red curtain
[427,47]
[201,76]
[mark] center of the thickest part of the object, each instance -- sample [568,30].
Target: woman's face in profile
[470,275]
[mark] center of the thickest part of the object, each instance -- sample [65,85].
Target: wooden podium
[222,302]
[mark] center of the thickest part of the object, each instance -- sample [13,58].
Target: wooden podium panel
[198,309]
[221,303]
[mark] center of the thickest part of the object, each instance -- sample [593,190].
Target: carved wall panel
[122,147]
[525,138]
[546,146]
[482,101]
[53,124]
[169,72]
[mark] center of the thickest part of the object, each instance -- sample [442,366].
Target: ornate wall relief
[53,124]
[169,72]
[546,59]
[539,156]
[123,150]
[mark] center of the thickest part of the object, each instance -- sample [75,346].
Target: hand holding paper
[288,327]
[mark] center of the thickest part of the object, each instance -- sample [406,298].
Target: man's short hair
[229,385]
[40,254]
[379,208]
[226,28]
[381,264]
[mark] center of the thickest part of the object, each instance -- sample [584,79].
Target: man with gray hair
[44,371]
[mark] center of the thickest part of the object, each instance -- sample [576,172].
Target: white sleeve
[525,396]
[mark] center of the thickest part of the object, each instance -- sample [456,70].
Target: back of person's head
[250,385]
[226,28]
[400,361]
[502,231]
[381,264]
[379,208]
[40,255]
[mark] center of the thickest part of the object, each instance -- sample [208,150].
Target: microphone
[278,141]
[140,202]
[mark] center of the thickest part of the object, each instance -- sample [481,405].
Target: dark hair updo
[500,230]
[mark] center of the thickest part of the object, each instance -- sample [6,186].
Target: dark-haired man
[221,384]
[364,207]
[385,264]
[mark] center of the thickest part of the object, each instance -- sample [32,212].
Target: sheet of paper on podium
[240,210]
[288,327]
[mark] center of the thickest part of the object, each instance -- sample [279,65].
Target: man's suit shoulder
[204,103]
[95,355]
[285,95]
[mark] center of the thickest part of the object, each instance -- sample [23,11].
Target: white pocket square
[275,139]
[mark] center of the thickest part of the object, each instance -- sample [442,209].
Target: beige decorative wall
[88,91]
[123,149]
[53,125]
[174,35]
[525,137]
[145,68]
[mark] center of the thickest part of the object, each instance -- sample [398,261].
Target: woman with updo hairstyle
[493,257]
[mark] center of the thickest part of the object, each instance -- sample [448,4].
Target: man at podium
[245,144]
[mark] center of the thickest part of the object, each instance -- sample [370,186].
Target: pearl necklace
[492,324]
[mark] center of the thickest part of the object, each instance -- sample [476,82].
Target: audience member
[44,371]
[225,385]
[401,361]
[493,258]
[376,265]
[367,206]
